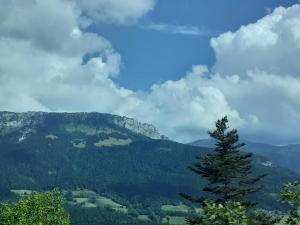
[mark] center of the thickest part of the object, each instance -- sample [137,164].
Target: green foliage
[292,219]
[227,213]
[227,170]
[35,209]
[264,217]
[290,193]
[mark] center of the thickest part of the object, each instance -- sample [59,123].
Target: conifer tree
[227,170]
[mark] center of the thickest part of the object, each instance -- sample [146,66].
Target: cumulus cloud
[255,81]
[42,51]
[264,107]
[262,60]
[184,109]
[49,62]
[271,44]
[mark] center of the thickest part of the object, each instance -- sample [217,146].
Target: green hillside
[119,167]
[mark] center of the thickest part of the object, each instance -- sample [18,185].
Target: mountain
[28,122]
[287,156]
[109,155]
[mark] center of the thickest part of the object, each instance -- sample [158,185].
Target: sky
[177,64]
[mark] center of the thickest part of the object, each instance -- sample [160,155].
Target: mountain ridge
[18,120]
[90,151]
[287,156]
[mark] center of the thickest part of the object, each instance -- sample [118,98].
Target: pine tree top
[227,169]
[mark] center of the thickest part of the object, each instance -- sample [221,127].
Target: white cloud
[47,24]
[271,44]
[42,62]
[116,11]
[267,104]
[187,108]
[177,29]
[264,56]
[255,80]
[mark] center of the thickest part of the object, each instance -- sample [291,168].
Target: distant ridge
[287,156]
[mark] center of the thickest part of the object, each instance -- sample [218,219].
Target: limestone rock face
[28,121]
[145,129]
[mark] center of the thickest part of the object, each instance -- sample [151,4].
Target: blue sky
[177,64]
[150,56]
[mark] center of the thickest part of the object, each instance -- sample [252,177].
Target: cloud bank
[255,80]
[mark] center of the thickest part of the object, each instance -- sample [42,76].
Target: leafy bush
[228,213]
[290,193]
[35,209]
